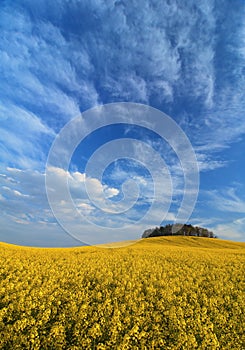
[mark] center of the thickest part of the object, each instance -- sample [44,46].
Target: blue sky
[59,59]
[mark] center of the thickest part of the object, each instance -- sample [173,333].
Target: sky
[119,116]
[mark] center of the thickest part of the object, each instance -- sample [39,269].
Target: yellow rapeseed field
[159,293]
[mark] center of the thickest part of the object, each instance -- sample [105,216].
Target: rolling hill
[155,293]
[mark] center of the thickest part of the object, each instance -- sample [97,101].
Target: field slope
[158,293]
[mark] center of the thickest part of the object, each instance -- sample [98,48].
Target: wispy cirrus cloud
[224,122]
[22,134]
[36,58]
[153,55]
[227,200]
[207,162]
[142,54]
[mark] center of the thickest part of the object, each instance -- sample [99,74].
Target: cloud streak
[227,200]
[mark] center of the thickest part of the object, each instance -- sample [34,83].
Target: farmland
[159,293]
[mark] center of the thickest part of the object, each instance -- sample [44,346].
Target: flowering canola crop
[159,293]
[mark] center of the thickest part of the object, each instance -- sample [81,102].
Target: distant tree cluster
[178,230]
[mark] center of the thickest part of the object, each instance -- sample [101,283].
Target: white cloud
[84,206]
[227,200]
[206,163]
[79,177]
[232,231]
[14,193]
[110,192]
[27,205]
[79,184]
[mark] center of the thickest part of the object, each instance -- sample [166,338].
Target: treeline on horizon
[178,230]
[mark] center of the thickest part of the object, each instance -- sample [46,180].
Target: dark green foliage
[178,230]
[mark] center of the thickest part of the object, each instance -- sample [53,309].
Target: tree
[178,230]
